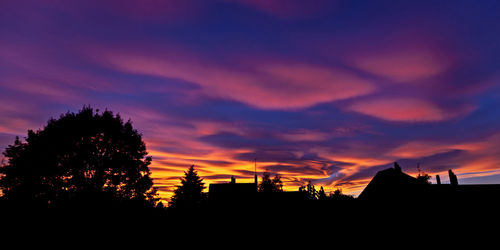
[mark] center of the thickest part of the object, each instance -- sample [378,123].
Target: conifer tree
[189,194]
[309,190]
[322,194]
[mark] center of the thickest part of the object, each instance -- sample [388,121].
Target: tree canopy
[423,178]
[79,154]
[338,195]
[268,185]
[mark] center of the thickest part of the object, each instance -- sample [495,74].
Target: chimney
[453,178]
[397,167]
[233,180]
[438,179]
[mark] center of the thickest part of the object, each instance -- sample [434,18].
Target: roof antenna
[255,170]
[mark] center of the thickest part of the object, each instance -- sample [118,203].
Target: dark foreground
[262,216]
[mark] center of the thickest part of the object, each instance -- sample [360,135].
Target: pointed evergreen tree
[189,195]
[309,190]
[322,194]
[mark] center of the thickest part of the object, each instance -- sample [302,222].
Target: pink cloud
[404,110]
[320,84]
[305,135]
[405,54]
[418,149]
[266,85]
[402,65]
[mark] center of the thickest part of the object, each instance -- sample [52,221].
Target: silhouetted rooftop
[391,182]
[232,188]
[394,185]
[232,191]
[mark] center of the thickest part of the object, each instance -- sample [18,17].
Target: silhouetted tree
[339,196]
[189,195]
[310,190]
[268,185]
[322,194]
[84,154]
[423,178]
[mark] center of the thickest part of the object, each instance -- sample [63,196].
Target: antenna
[255,170]
[255,166]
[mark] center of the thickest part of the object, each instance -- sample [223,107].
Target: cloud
[268,156]
[405,110]
[276,85]
[418,149]
[314,84]
[404,65]
[294,170]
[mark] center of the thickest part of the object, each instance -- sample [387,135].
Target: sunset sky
[328,91]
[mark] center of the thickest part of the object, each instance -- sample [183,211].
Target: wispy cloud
[405,110]
[283,85]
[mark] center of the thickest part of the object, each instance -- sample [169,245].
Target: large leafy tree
[89,153]
[189,195]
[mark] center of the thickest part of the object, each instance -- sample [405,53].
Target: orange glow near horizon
[167,168]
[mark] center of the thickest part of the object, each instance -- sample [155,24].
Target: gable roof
[391,182]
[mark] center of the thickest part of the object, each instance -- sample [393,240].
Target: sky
[327,91]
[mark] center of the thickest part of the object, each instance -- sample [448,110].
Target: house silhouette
[244,194]
[393,185]
[232,192]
